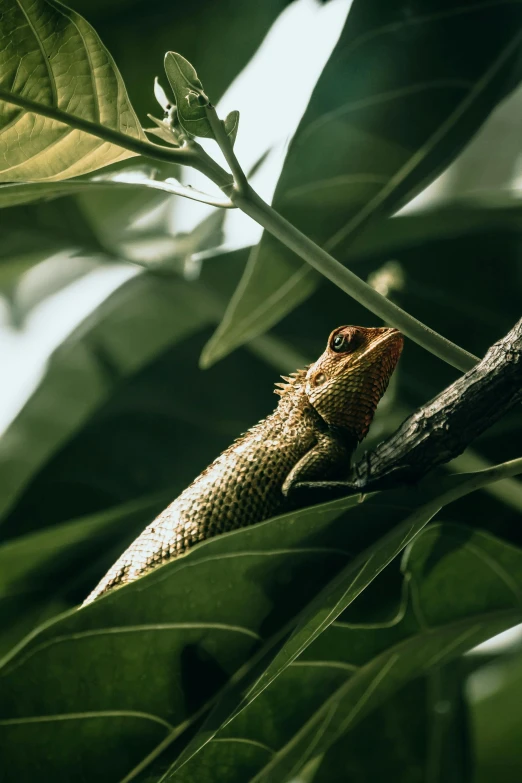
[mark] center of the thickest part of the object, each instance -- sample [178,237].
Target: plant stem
[225,145]
[254,206]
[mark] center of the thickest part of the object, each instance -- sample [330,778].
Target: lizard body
[323,412]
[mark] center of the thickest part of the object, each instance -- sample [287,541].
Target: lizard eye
[345,342]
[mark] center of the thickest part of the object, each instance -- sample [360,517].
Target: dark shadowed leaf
[140,320]
[419,734]
[194,639]
[495,692]
[41,573]
[364,657]
[464,217]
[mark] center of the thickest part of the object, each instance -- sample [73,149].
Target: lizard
[324,411]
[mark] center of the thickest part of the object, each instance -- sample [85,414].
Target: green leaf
[191,100]
[140,320]
[53,58]
[363,659]
[189,95]
[452,219]
[11,271]
[167,644]
[188,638]
[357,156]
[201,635]
[421,733]
[42,572]
[42,277]
[495,693]
[231,123]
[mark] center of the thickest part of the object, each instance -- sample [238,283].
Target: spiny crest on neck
[296,378]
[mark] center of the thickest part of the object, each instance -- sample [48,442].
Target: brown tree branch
[445,426]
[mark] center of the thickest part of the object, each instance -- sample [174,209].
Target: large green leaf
[311,550]
[191,626]
[179,626]
[162,647]
[50,56]
[458,588]
[140,320]
[357,154]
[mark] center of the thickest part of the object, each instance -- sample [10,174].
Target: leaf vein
[85,716]
[54,94]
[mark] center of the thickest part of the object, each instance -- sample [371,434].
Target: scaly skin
[324,411]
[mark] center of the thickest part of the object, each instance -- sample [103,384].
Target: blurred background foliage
[112,416]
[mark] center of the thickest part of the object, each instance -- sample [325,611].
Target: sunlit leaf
[231,123]
[50,56]
[424,726]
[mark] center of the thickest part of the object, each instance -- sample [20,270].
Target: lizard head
[348,380]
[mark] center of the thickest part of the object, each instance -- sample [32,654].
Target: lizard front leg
[320,472]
